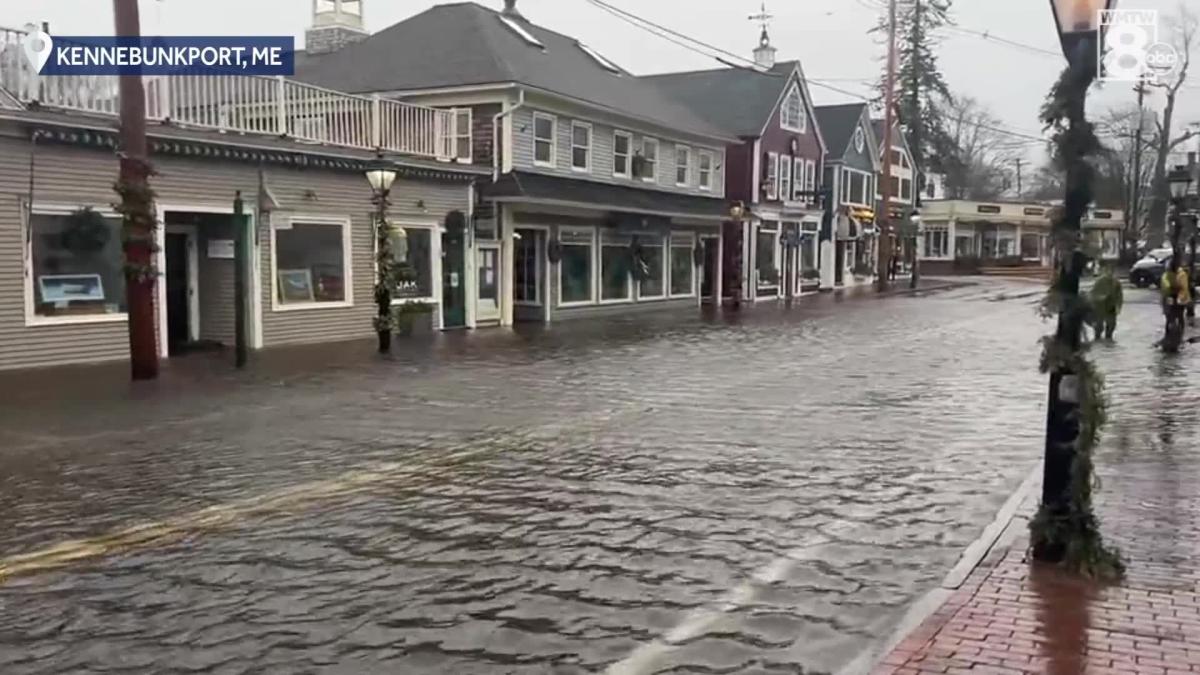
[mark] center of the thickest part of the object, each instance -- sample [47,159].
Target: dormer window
[792,117]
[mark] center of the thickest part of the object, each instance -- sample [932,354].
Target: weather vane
[763,18]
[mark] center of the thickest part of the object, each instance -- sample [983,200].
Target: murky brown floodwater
[768,494]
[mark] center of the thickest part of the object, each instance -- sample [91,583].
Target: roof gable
[466,44]
[709,93]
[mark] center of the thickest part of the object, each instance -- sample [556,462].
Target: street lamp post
[1079,31]
[915,220]
[381,174]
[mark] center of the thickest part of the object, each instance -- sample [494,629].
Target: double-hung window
[462,134]
[705,166]
[798,178]
[622,154]
[581,146]
[772,176]
[683,165]
[649,160]
[544,143]
[810,180]
[785,178]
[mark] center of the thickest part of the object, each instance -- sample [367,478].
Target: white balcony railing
[242,104]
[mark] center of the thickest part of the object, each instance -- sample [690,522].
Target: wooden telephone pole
[889,99]
[140,222]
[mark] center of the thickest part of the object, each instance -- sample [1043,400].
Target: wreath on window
[698,255]
[554,251]
[85,232]
[637,261]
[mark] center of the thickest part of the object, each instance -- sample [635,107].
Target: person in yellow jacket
[1107,298]
[1176,290]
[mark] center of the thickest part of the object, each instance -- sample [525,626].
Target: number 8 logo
[1125,52]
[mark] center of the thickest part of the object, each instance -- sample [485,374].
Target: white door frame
[543,267]
[254,274]
[480,247]
[193,263]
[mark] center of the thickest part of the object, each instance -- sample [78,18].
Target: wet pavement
[1015,617]
[755,494]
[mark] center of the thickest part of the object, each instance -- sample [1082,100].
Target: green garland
[1075,531]
[139,226]
[385,277]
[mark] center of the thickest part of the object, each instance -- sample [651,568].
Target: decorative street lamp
[381,174]
[915,219]
[1065,529]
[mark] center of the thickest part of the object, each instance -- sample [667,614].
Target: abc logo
[1130,54]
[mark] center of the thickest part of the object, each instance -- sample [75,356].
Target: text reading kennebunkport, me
[170,55]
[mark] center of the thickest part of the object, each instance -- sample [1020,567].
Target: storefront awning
[532,188]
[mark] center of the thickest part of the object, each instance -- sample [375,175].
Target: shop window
[527,264]
[412,249]
[808,250]
[310,264]
[937,243]
[1031,246]
[654,257]
[683,269]
[615,282]
[575,267]
[765,265]
[77,265]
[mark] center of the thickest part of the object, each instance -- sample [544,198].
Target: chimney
[510,10]
[335,27]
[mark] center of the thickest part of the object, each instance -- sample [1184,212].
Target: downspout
[496,133]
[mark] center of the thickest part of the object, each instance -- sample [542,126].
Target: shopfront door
[454,278]
[488,262]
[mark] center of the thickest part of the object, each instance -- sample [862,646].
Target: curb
[933,610]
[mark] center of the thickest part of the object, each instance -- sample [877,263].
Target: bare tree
[1164,142]
[1115,179]
[982,153]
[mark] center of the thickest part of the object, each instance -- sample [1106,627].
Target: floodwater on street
[757,494]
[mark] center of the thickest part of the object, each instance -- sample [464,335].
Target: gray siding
[76,176]
[602,155]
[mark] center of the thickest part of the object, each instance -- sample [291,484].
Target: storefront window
[1030,246]
[937,243]
[964,246]
[682,268]
[310,263]
[614,270]
[77,265]
[412,248]
[654,256]
[808,255]
[526,268]
[768,272]
[575,268]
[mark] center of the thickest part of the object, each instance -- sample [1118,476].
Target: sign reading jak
[171,55]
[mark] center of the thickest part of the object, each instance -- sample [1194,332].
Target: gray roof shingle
[837,125]
[712,93]
[467,44]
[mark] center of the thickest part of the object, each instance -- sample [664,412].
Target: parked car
[1147,271]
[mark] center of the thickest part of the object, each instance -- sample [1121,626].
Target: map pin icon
[37,46]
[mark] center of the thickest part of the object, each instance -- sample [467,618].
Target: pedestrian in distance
[1106,298]
[1176,291]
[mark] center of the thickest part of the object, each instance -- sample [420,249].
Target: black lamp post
[1079,31]
[917,231]
[381,174]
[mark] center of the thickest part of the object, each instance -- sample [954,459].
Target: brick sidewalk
[1011,616]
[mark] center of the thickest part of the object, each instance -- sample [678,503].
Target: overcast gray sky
[829,36]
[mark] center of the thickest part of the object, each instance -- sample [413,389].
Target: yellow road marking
[209,518]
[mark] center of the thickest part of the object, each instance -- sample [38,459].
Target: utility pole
[1019,190]
[917,39]
[889,97]
[140,224]
[1132,219]
[241,261]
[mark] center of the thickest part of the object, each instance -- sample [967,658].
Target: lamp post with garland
[381,174]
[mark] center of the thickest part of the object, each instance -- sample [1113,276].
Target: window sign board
[220,249]
[63,288]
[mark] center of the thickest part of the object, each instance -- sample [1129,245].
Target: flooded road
[670,494]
